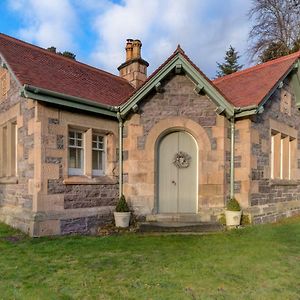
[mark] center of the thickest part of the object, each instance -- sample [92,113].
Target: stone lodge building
[177,145]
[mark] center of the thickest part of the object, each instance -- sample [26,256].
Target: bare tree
[276,29]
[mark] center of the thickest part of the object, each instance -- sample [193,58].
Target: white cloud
[205,29]
[47,23]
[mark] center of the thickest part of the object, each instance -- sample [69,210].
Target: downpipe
[120,154]
[232,150]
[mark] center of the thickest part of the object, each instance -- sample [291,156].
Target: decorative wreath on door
[182,160]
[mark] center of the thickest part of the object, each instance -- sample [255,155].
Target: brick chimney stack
[134,69]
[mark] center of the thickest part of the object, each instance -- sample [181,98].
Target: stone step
[181,217]
[180,227]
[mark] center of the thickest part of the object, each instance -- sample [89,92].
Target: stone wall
[68,204]
[272,199]
[16,199]
[177,107]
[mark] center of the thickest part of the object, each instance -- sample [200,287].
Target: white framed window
[8,149]
[273,156]
[76,152]
[281,155]
[98,154]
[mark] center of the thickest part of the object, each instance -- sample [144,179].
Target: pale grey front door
[177,173]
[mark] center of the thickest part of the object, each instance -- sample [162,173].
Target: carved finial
[179,49]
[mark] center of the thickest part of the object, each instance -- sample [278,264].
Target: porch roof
[38,67]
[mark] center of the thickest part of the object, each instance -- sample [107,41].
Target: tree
[231,63]
[274,50]
[67,54]
[276,29]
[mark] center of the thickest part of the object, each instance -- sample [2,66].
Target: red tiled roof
[35,66]
[250,86]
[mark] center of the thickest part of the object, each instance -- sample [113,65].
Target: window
[282,148]
[8,149]
[76,152]
[86,152]
[97,154]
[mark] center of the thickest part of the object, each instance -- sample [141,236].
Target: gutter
[45,95]
[248,110]
[120,153]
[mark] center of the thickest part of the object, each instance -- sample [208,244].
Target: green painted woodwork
[199,88]
[232,151]
[177,187]
[191,72]
[296,85]
[120,154]
[66,101]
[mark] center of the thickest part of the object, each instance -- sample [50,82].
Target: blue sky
[96,30]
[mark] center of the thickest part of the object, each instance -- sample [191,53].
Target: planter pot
[233,218]
[122,219]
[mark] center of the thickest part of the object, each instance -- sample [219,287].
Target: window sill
[284,182]
[8,180]
[88,180]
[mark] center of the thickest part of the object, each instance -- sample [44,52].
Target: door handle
[173,182]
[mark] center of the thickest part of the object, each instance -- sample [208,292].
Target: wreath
[182,160]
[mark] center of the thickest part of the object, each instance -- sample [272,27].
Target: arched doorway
[177,173]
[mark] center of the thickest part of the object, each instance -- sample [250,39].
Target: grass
[261,262]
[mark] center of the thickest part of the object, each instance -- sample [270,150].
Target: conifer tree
[230,64]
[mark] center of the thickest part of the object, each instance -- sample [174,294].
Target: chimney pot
[129,49]
[134,69]
[136,52]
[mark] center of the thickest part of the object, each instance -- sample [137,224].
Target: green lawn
[261,262]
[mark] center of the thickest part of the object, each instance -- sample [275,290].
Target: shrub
[122,205]
[222,219]
[245,220]
[233,205]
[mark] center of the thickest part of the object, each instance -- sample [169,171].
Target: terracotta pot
[122,219]
[233,218]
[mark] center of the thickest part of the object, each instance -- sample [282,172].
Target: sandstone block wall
[67,204]
[178,107]
[16,198]
[269,199]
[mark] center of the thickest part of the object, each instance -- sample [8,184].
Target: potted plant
[233,213]
[122,213]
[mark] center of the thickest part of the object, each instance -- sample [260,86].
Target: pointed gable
[176,63]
